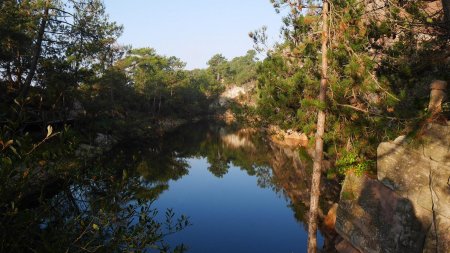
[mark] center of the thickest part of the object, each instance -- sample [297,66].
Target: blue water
[232,213]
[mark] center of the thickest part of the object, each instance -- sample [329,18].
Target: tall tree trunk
[36,52]
[317,168]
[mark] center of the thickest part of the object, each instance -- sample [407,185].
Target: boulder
[421,173]
[373,218]
[407,207]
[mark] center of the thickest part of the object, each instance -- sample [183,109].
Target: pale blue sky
[193,30]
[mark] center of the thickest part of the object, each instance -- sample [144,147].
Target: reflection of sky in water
[231,214]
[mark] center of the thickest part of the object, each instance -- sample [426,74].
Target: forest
[348,74]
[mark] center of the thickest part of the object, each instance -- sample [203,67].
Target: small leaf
[49,131]
[95,226]
[15,151]
[8,143]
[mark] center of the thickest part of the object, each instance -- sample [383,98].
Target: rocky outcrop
[374,218]
[234,96]
[407,207]
[238,94]
[421,174]
[287,138]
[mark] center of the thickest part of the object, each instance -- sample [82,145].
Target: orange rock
[330,219]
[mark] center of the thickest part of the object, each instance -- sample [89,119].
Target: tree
[49,48]
[318,155]
[242,69]
[218,66]
[153,76]
[381,58]
[37,48]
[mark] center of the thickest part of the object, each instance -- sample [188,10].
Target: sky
[193,30]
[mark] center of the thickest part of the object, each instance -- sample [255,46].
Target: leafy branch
[50,135]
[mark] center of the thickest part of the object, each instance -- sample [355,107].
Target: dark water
[240,193]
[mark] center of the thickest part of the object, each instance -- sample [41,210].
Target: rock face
[238,94]
[408,208]
[374,218]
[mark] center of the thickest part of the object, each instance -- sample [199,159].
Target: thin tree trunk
[9,75]
[37,52]
[317,168]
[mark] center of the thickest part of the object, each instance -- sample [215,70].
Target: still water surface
[241,193]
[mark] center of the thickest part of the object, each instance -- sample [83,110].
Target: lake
[205,186]
[240,192]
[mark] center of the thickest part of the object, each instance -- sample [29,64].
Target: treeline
[382,57]
[63,80]
[238,71]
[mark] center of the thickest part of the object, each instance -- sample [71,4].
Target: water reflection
[221,150]
[242,193]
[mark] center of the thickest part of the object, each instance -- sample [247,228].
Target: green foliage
[218,66]
[59,63]
[242,69]
[110,214]
[351,162]
[239,70]
[379,72]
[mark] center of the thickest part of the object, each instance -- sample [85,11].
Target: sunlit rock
[408,208]
[373,218]
[287,138]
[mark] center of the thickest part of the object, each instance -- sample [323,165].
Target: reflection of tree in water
[265,177]
[107,204]
[283,170]
[104,205]
[218,167]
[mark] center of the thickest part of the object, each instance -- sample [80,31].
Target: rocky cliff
[407,207]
